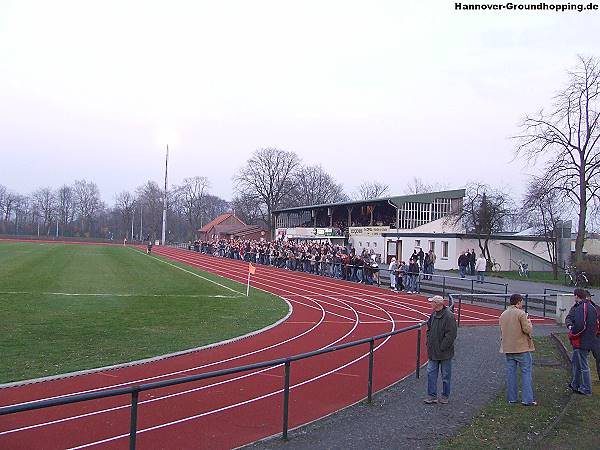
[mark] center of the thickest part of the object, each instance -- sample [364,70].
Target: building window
[432,246]
[444,249]
[417,242]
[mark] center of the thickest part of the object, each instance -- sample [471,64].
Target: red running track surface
[233,410]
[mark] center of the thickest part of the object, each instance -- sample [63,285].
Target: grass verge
[561,420]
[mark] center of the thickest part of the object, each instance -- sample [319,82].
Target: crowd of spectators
[322,258]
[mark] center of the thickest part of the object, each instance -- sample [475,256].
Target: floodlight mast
[164,223]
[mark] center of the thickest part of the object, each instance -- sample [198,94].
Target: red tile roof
[206,228]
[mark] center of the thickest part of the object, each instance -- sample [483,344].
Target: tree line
[561,144]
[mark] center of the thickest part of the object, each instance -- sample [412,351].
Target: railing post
[370,384]
[444,286]
[418,369]
[459,309]
[133,420]
[506,288]
[472,289]
[526,301]
[286,400]
[544,304]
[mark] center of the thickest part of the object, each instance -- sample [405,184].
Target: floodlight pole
[164,223]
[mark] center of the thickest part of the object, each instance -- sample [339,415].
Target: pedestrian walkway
[398,418]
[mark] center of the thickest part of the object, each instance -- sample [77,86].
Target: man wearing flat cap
[441,334]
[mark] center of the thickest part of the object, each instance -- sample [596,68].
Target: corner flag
[251,271]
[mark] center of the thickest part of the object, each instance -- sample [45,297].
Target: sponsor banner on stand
[368,231]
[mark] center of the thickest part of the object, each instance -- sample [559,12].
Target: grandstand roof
[397,200]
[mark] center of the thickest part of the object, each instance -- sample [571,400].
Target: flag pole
[248,286]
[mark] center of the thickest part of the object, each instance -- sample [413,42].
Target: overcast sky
[371,90]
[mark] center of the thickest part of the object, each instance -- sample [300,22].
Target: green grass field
[67,307]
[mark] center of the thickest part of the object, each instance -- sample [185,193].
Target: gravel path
[398,418]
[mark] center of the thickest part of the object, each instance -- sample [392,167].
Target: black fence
[455,301]
[286,362]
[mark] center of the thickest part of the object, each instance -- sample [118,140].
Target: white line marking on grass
[79,294]
[190,272]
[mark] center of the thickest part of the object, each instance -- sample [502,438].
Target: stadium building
[396,226]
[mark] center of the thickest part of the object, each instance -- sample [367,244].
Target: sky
[372,91]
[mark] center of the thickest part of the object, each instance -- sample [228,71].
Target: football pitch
[69,307]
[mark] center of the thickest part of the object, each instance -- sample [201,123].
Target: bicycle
[496,267]
[523,268]
[577,278]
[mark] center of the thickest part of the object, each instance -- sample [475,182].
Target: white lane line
[190,272]
[80,294]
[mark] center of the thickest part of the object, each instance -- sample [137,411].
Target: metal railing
[286,362]
[456,298]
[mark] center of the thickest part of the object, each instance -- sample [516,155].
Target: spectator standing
[432,258]
[517,345]
[463,262]
[421,257]
[393,268]
[441,334]
[582,322]
[401,282]
[413,277]
[472,260]
[426,266]
[480,266]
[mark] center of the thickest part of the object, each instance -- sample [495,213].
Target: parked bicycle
[577,278]
[523,268]
[496,267]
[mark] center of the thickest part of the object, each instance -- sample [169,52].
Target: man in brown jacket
[517,345]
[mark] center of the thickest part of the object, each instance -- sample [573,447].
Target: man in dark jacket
[463,263]
[441,333]
[583,326]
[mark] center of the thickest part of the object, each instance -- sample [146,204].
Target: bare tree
[314,186]
[8,202]
[544,211]
[65,207]
[418,186]
[371,189]
[192,198]
[125,207]
[248,209]
[485,211]
[214,206]
[567,139]
[269,176]
[87,203]
[150,199]
[43,203]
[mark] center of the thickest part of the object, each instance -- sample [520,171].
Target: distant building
[228,226]
[396,226]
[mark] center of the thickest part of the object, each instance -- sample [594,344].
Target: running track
[237,409]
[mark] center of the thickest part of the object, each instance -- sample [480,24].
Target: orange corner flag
[251,269]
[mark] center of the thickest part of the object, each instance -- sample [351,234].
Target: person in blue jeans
[582,322]
[517,345]
[441,334]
